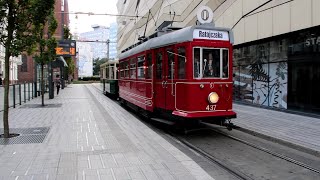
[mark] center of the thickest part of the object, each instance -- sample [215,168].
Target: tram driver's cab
[210,62]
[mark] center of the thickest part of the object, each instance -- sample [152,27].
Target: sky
[84,22]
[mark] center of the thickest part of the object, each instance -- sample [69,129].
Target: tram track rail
[228,167]
[278,155]
[211,158]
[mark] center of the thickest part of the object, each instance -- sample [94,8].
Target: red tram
[186,73]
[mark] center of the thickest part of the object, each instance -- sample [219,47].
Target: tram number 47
[211,108]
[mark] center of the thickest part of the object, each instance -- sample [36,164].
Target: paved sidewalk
[292,129]
[88,136]
[297,131]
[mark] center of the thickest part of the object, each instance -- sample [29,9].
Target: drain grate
[27,135]
[40,106]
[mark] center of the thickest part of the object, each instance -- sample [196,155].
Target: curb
[280,141]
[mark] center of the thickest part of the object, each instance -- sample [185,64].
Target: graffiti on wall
[261,76]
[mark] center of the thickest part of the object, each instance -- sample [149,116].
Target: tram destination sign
[66,48]
[210,35]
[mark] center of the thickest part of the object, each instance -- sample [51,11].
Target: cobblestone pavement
[295,129]
[90,137]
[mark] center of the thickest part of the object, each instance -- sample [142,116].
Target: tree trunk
[7,69]
[42,84]
[6,96]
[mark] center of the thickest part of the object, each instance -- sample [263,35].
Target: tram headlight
[213,98]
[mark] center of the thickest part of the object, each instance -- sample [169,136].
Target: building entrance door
[303,86]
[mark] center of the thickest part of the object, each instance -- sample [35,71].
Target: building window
[24,66]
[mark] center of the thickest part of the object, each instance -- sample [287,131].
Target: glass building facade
[100,33]
[280,72]
[113,41]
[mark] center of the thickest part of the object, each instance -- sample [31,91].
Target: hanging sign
[205,15]
[66,48]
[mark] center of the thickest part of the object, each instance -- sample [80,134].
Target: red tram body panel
[187,72]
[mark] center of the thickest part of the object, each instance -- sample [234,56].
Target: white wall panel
[249,5]
[300,14]
[251,28]
[238,32]
[315,12]
[265,24]
[228,18]
[219,22]
[281,19]
[237,11]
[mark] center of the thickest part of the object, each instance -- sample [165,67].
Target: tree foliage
[19,24]
[46,44]
[71,65]
[96,65]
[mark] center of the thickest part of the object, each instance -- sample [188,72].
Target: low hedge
[93,78]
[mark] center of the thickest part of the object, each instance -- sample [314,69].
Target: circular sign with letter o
[204,15]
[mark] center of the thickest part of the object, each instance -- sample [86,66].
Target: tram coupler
[228,124]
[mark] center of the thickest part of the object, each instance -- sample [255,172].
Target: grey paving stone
[90,137]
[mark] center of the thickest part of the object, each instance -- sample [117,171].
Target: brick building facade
[26,71]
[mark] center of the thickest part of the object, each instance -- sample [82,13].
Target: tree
[45,45]
[70,69]
[96,65]
[17,19]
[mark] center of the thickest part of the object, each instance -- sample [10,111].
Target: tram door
[169,62]
[160,80]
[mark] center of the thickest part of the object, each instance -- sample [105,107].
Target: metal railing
[18,94]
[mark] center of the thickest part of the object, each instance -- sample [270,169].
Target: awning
[64,61]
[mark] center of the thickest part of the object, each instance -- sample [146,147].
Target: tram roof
[178,36]
[115,61]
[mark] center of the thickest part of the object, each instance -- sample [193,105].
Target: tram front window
[208,62]
[196,63]
[211,63]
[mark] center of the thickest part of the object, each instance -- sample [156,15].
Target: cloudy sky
[84,22]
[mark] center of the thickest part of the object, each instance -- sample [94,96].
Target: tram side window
[133,68]
[107,73]
[117,70]
[149,68]
[141,72]
[126,69]
[111,71]
[122,69]
[225,63]
[181,63]
[170,63]
[211,63]
[196,63]
[159,65]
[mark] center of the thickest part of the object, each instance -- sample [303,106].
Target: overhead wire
[100,14]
